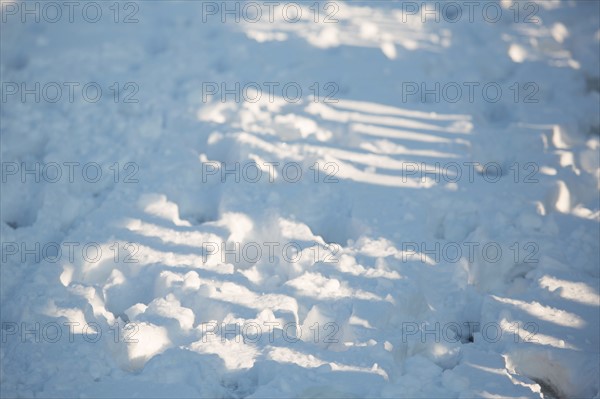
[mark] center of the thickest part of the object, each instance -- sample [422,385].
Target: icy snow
[361,305]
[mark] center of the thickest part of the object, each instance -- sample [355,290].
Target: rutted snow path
[368,308]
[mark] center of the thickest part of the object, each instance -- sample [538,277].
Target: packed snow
[309,199]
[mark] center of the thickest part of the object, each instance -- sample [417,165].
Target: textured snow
[362,304]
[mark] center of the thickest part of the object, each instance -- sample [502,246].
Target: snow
[363,236]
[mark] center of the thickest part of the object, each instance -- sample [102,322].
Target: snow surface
[356,314]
